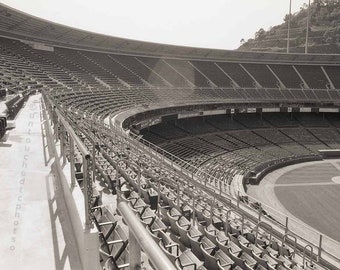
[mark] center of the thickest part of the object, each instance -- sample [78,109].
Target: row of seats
[14,105]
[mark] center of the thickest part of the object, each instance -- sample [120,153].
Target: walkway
[35,230]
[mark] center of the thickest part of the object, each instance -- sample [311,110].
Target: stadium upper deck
[19,25]
[100,75]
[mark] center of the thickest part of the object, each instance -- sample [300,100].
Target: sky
[218,24]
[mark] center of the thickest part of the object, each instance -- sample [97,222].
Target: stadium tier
[171,131]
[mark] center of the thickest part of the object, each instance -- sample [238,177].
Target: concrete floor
[35,230]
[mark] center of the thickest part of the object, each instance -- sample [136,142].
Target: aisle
[35,231]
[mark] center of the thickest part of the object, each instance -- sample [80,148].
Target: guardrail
[77,203]
[140,239]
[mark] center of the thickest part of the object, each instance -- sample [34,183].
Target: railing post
[63,143]
[193,209]
[320,248]
[55,123]
[86,190]
[72,167]
[178,195]
[139,176]
[286,227]
[93,161]
[260,212]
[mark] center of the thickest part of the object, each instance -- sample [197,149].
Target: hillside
[324,31]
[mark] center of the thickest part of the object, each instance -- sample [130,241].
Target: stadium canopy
[22,26]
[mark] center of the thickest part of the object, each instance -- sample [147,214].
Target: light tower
[289,18]
[307,27]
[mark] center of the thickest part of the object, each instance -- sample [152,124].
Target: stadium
[155,156]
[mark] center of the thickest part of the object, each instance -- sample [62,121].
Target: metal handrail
[143,238]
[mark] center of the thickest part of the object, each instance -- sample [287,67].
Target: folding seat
[226,225]
[173,215]
[297,267]
[211,232]
[157,225]
[265,260]
[207,244]
[115,244]
[216,221]
[271,251]
[285,261]
[174,203]
[170,248]
[243,260]
[154,234]
[196,243]
[233,238]
[210,261]
[280,267]
[144,193]
[153,198]
[199,212]
[223,260]
[186,210]
[235,228]
[282,249]
[225,244]
[164,194]
[206,214]
[183,234]
[129,197]
[147,216]
[188,261]
[201,226]
[121,263]
[139,206]
[259,267]
[182,223]
[105,222]
[249,247]
[280,259]
[163,208]
[170,198]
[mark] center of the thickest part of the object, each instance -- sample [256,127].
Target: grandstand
[154,145]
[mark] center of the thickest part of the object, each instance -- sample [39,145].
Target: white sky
[200,23]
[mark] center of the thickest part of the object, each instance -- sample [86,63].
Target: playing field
[310,194]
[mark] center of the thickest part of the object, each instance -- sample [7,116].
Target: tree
[260,34]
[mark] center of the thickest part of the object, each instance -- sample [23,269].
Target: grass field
[310,194]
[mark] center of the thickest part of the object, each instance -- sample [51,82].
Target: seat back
[195,247]
[238,261]
[120,235]
[170,248]
[209,261]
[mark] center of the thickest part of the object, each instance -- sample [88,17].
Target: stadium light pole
[307,28]
[289,18]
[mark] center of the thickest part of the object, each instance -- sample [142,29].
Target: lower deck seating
[223,153]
